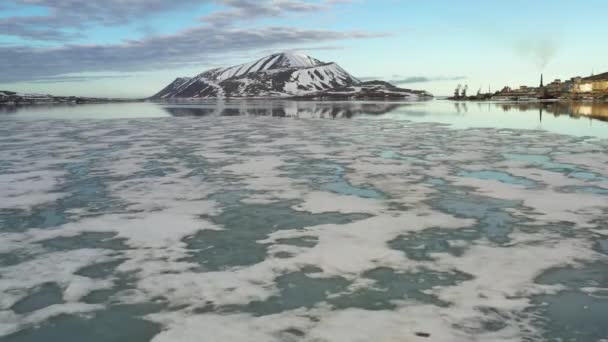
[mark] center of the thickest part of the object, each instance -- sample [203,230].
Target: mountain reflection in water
[285,109]
[333,110]
[581,119]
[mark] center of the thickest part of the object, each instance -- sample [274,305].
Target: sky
[133,48]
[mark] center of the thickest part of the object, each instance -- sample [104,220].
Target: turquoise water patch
[328,176]
[283,255]
[595,190]
[101,240]
[84,190]
[389,154]
[230,198]
[391,286]
[420,245]
[498,176]
[562,228]
[602,246]
[114,324]
[304,241]
[536,159]
[572,316]
[18,220]
[14,257]
[121,282]
[41,297]
[298,290]
[314,170]
[590,275]
[156,168]
[101,270]
[546,163]
[493,221]
[584,175]
[344,188]
[191,159]
[588,176]
[244,225]
[5,166]
[543,162]
[436,181]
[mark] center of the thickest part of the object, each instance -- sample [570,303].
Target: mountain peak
[290,59]
[277,61]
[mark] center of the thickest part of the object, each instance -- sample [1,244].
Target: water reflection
[304,109]
[581,119]
[598,111]
[461,107]
[312,109]
[9,109]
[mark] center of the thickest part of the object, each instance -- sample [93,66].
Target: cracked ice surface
[298,230]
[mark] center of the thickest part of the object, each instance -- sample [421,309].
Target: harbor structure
[594,87]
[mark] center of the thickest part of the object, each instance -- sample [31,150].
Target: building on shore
[594,88]
[596,84]
[581,86]
[519,94]
[558,88]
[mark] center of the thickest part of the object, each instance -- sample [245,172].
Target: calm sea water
[304,221]
[568,118]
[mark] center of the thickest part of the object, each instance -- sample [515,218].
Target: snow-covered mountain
[285,74]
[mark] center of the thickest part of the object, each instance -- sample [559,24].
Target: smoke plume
[540,52]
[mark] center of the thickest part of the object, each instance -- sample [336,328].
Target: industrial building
[594,87]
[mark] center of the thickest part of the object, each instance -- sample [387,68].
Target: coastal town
[592,88]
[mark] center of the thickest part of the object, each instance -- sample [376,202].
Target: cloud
[254,9]
[216,39]
[423,79]
[37,28]
[369,78]
[66,16]
[200,45]
[78,78]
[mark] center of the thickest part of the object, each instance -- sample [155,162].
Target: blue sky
[132,48]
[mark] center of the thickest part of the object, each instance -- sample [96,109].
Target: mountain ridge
[282,75]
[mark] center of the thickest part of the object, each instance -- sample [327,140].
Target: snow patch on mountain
[173,86]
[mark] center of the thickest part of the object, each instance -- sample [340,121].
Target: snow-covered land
[283,75]
[16,98]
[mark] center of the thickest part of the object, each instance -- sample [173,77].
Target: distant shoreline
[75,100]
[12,98]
